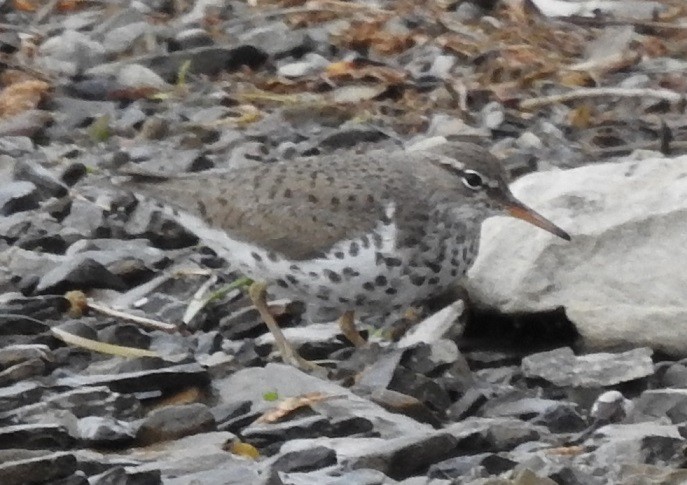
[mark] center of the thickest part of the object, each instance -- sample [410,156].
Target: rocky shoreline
[565,366]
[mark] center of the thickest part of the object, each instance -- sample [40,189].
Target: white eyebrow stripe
[449,162]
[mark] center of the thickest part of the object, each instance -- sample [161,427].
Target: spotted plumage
[366,233]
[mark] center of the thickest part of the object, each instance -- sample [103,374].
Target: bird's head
[484,182]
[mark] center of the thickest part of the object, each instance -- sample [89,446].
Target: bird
[348,234]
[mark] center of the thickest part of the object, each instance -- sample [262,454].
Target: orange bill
[521,211]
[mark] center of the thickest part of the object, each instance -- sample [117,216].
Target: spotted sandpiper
[348,234]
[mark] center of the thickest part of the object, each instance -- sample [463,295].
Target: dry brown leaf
[357,70]
[78,303]
[567,450]
[14,76]
[654,46]
[22,96]
[371,34]
[69,5]
[576,79]
[291,404]
[24,5]
[581,117]
[458,44]
[34,5]
[187,396]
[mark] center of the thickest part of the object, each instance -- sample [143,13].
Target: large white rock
[623,277]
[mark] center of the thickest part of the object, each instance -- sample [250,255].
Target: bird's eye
[472,180]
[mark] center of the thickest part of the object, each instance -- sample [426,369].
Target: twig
[149,322]
[102,347]
[601,22]
[44,12]
[665,94]
[329,6]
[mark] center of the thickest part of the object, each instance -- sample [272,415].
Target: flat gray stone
[617,278]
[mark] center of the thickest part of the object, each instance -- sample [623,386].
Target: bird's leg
[258,295]
[347,325]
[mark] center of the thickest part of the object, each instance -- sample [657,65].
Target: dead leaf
[69,5]
[186,396]
[575,79]
[291,404]
[360,70]
[372,34]
[24,5]
[567,450]
[78,303]
[22,96]
[581,117]
[62,6]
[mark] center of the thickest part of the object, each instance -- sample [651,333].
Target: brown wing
[293,208]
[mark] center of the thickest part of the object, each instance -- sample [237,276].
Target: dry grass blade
[199,301]
[291,404]
[147,322]
[665,94]
[103,348]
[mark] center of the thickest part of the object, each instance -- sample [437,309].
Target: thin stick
[664,94]
[148,322]
[44,12]
[329,6]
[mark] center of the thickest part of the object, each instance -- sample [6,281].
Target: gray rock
[137,76]
[561,367]
[149,222]
[206,60]
[86,219]
[82,403]
[19,467]
[119,474]
[397,402]
[304,460]
[70,53]
[446,323]
[557,416]
[174,377]
[192,38]
[402,457]
[675,375]
[276,39]
[173,422]
[35,436]
[23,126]
[250,384]
[120,39]
[22,371]
[45,181]
[78,273]
[100,431]
[200,458]
[262,435]
[625,221]
[493,434]
[654,404]
[18,394]
[489,464]
[18,197]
